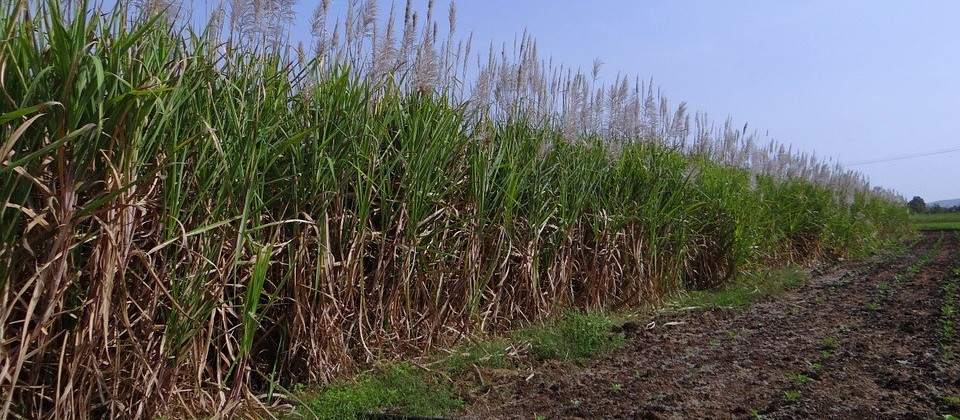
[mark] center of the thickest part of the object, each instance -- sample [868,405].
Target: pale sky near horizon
[858,80]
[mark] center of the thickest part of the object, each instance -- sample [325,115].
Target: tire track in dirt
[819,351]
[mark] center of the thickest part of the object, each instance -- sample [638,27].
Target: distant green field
[941,221]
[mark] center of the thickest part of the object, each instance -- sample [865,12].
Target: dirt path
[859,341]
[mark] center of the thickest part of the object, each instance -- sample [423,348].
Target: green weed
[799,378]
[575,335]
[830,342]
[747,289]
[399,389]
[885,287]
[791,396]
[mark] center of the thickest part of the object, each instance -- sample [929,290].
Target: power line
[908,156]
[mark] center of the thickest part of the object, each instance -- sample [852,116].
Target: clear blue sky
[856,80]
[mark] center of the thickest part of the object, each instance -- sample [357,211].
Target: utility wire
[902,157]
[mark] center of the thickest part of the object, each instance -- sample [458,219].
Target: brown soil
[857,361]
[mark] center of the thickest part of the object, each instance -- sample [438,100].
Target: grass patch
[939,221]
[401,389]
[491,353]
[575,335]
[938,226]
[747,289]
[396,389]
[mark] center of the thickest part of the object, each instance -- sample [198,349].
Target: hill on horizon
[947,203]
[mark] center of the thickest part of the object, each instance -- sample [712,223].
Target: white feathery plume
[452,17]
[519,82]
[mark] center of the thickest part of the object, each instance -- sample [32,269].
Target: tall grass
[191,219]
